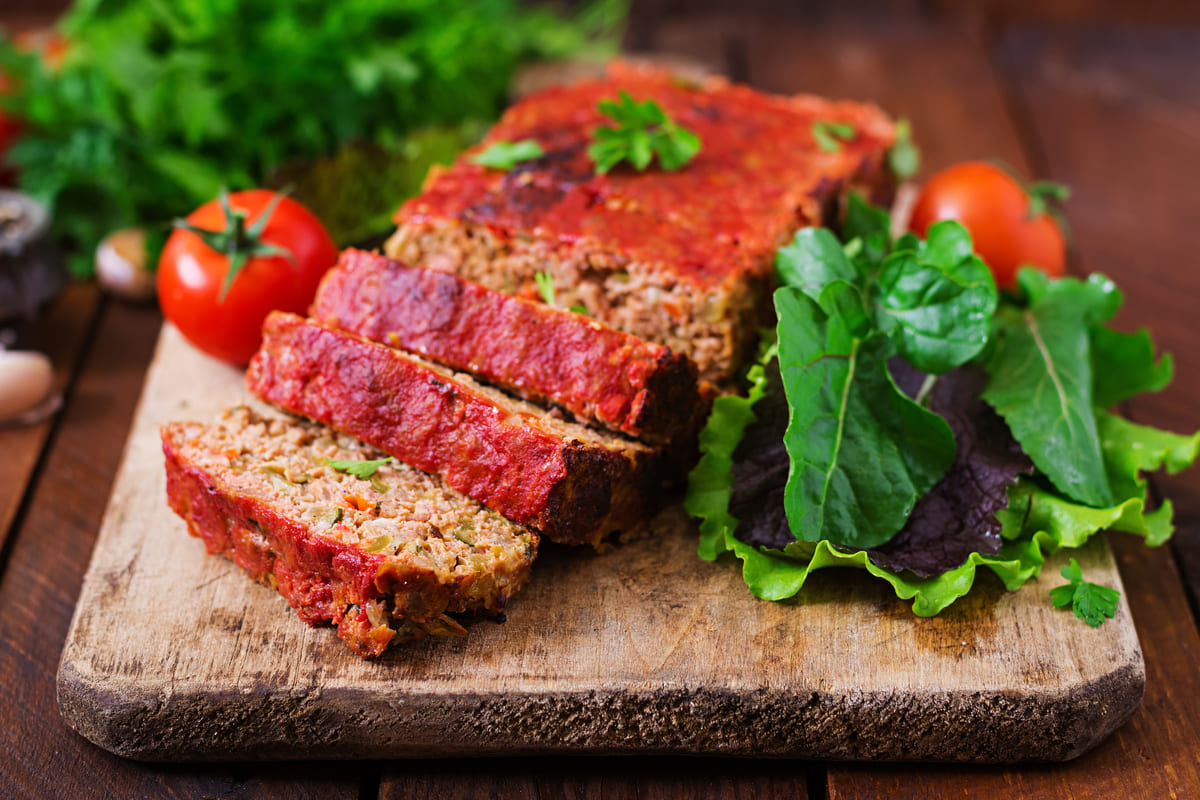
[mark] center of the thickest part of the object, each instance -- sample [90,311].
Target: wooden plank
[595,779]
[60,333]
[1152,757]
[42,757]
[643,649]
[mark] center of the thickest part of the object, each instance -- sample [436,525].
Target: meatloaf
[680,258]
[572,483]
[535,350]
[384,556]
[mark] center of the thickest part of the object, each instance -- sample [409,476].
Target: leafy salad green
[998,450]
[157,105]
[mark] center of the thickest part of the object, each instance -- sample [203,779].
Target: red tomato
[994,207]
[191,273]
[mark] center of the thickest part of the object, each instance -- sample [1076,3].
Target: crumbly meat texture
[571,483]
[680,258]
[385,559]
[540,352]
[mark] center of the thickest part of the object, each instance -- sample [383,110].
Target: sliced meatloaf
[384,556]
[680,258]
[572,483]
[535,350]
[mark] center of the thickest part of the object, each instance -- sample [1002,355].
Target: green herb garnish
[1043,195]
[506,155]
[545,285]
[1091,602]
[904,158]
[363,470]
[830,135]
[644,131]
[157,105]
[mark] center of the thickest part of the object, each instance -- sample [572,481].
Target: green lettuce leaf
[711,480]
[1041,381]
[871,226]
[1131,449]
[1052,367]
[1037,523]
[1123,365]
[937,303]
[862,452]
[812,260]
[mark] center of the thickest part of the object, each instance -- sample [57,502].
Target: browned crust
[533,349]
[574,486]
[700,241]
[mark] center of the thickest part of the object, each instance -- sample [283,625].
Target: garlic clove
[26,379]
[121,265]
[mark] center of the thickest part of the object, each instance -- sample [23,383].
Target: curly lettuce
[1048,363]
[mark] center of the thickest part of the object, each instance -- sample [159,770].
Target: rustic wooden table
[1114,115]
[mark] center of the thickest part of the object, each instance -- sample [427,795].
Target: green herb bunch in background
[157,105]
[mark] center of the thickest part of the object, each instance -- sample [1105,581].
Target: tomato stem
[238,242]
[1044,193]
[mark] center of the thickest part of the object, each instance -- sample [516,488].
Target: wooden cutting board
[645,648]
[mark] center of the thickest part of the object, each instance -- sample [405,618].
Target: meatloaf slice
[384,557]
[533,349]
[681,258]
[571,483]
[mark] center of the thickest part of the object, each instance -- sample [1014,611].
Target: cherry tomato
[278,266]
[994,207]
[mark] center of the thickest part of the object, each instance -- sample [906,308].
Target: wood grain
[42,757]
[643,649]
[596,779]
[1152,757]
[61,333]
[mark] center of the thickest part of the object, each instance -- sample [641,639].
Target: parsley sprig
[545,285]
[829,135]
[363,470]
[904,158]
[1092,602]
[506,155]
[644,131]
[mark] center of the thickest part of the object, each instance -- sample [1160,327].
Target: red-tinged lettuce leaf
[1036,522]
[953,520]
[957,517]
